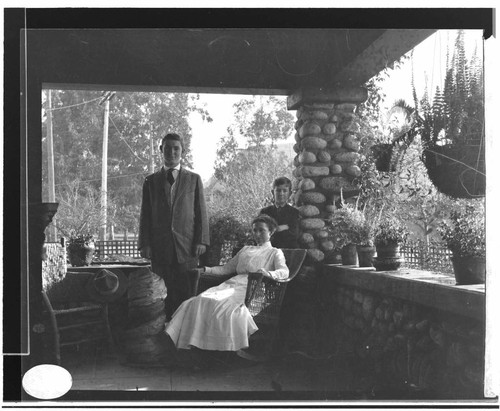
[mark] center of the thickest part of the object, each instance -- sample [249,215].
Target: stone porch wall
[413,329]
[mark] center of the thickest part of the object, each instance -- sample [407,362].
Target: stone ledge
[422,287]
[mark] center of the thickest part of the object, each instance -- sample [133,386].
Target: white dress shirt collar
[177,167]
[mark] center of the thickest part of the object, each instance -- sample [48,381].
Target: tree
[418,201]
[248,182]
[79,212]
[263,120]
[246,175]
[225,155]
[134,119]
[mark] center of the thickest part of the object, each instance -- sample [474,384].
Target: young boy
[286,215]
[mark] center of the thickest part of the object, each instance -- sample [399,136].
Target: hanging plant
[452,128]
[401,130]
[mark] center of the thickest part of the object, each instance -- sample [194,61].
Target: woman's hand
[264,272]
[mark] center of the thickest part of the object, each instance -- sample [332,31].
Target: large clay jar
[365,255]
[388,257]
[469,270]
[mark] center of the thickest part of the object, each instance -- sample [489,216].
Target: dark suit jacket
[177,228]
[286,215]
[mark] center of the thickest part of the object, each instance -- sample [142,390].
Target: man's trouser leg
[178,287]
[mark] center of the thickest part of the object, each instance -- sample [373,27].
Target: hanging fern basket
[457,171]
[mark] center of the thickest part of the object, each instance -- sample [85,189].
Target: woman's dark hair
[269,221]
[281,181]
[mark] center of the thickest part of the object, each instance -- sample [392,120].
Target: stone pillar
[327,145]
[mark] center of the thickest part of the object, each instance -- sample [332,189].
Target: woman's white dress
[218,319]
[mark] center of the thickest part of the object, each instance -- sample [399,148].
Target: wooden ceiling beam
[382,53]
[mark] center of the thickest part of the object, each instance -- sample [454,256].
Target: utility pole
[107,96]
[50,161]
[151,151]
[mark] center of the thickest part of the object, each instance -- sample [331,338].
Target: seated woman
[218,319]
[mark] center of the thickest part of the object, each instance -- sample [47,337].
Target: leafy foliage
[263,120]
[390,231]
[456,114]
[135,121]
[79,216]
[224,228]
[464,233]
[247,182]
[350,224]
[344,225]
[245,176]
[419,202]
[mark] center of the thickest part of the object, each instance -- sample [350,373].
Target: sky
[429,58]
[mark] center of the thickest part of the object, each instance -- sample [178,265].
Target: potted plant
[401,132]
[452,128]
[79,219]
[388,237]
[342,227]
[365,240]
[81,249]
[465,236]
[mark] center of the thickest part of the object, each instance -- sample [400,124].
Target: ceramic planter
[349,255]
[469,270]
[333,257]
[365,255]
[388,257]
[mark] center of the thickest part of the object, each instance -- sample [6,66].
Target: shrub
[390,231]
[465,233]
[224,228]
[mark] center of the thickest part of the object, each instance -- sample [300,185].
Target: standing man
[287,216]
[173,228]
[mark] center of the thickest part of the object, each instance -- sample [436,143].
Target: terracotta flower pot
[388,257]
[349,255]
[469,270]
[365,255]
[333,257]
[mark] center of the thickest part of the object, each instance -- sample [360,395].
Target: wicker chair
[264,296]
[73,319]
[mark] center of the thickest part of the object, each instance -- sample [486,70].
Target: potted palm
[388,237]
[464,235]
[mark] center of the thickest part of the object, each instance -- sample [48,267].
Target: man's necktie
[170,177]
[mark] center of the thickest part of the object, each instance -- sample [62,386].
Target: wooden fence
[122,247]
[436,257]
